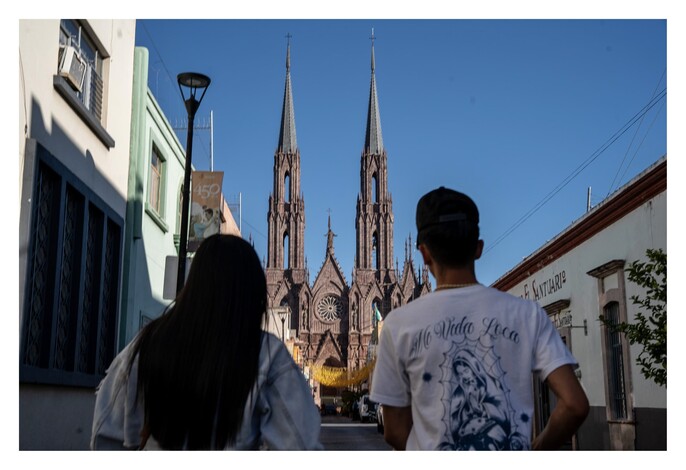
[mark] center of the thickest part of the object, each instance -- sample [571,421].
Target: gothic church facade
[333,318]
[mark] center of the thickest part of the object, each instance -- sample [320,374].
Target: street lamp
[283,312]
[194,82]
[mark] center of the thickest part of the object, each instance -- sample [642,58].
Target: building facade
[100,205]
[579,276]
[332,318]
[74,135]
[153,214]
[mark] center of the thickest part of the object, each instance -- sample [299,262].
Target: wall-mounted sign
[562,320]
[541,288]
[205,206]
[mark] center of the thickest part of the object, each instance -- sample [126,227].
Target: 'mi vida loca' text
[460,330]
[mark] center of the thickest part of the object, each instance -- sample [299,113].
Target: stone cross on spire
[288,54]
[372,37]
[329,236]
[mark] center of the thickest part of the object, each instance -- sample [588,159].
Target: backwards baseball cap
[444,206]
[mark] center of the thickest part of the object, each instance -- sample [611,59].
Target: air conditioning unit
[72,66]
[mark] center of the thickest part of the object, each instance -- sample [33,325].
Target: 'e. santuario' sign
[540,289]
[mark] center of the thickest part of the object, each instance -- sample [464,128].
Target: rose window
[329,308]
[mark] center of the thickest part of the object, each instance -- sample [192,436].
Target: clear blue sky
[506,111]
[503,110]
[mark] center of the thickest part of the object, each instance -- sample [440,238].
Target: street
[342,433]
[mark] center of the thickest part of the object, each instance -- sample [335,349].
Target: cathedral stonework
[333,319]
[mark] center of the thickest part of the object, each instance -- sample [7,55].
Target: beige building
[74,139]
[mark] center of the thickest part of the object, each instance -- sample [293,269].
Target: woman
[204,375]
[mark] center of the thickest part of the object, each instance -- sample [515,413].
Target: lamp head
[193,82]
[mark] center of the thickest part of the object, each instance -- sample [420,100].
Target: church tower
[374,221]
[336,324]
[286,214]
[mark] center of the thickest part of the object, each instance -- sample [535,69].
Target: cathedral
[333,320]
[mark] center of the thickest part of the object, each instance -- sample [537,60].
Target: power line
[644,138]
[581,167]
[154,46]
[632,140]
[252,227]
[166,70]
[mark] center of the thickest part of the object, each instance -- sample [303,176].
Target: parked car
[355,411]
[367,409]
[379,418]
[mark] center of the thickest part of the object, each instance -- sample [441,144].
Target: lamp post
[194,82]
[282,314]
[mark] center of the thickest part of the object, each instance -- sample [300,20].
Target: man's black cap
[444,206]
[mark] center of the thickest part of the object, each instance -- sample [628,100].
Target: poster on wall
[206,202]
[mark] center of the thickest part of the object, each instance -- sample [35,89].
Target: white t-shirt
[463,359]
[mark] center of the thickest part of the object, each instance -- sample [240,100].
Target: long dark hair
[199,361]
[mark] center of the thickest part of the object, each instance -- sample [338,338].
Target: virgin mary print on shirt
[477,410]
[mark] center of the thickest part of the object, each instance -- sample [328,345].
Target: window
[286,251]
[155,183]
[543,402]
[154,204]
[179,212]
[287,188]
[544,398]
[85,73]
[615,364]
[179,215]
[615,346]
[375,251]
[80,75]
[71,303]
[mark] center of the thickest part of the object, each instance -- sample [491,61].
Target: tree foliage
[650,327]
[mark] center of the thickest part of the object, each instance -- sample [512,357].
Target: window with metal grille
[87,77]
[615,364]
[72,290]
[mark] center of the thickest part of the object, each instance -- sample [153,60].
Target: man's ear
[479,249]
[426,254]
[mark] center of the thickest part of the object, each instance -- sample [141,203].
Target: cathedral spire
[286,216]
[373,143]
[374,222]
[287,140]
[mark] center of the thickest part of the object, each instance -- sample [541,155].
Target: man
[454,368]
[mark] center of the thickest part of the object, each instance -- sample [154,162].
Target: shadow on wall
[55,384]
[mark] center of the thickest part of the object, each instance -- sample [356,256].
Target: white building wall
[58,416]
[49,118]
[627,239]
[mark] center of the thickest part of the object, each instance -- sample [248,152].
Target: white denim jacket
[279,413]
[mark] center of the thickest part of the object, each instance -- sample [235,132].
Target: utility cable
[644,138]
[632,141]
[154,46]
[581,167]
